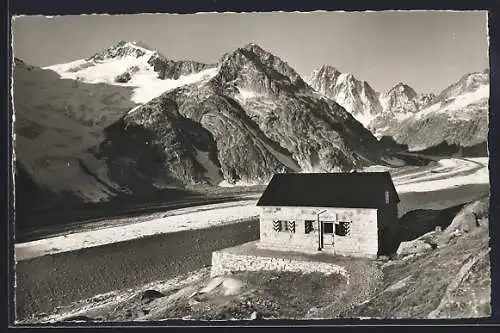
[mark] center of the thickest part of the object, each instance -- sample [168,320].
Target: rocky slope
[459,255]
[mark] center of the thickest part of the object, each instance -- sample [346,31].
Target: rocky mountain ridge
[361,100]
[407,116]
[267,112]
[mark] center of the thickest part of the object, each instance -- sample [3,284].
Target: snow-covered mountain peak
[122,49]
[131,64]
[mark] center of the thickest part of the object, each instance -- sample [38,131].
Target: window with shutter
[279,225]
[308,226]
[342,228]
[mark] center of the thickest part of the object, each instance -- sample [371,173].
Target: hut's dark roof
[350,190]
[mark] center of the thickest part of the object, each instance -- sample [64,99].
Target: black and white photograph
[251,166]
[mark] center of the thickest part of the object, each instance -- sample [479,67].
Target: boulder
[413,247]
[472,216]
[123,78]
[150,295]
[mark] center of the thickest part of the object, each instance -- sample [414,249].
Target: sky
[427,50]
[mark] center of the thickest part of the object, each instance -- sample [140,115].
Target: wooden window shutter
[346,227]
[342,228]
[277,225]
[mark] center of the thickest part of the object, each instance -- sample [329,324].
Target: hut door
[327,235]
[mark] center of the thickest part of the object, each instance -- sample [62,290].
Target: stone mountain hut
[352,214]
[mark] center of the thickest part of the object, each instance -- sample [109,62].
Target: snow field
[145,81]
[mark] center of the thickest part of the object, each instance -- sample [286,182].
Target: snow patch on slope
[457,104]
[149,88]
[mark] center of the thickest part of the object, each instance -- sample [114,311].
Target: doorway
[327,235]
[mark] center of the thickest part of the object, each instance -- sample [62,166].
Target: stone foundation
[361,273]
[226,262]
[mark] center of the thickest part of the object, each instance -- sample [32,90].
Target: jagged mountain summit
[361,100]
[122,49]
[356,96]
[397,103]
[402,99]
[255,69]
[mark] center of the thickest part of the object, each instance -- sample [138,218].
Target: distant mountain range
[128,120]
[457,116]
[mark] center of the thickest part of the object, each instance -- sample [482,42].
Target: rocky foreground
[458,254]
